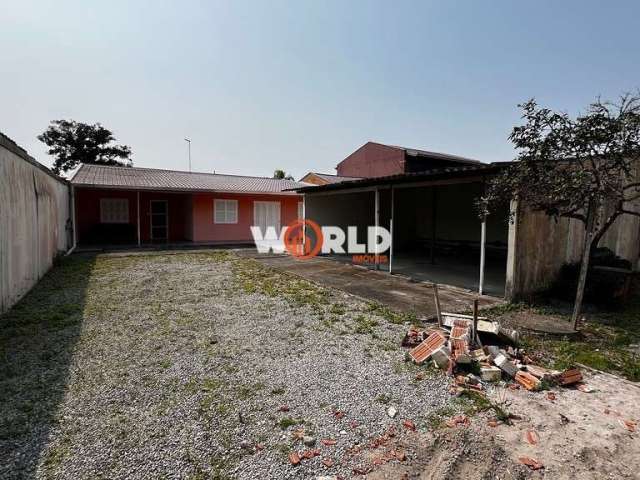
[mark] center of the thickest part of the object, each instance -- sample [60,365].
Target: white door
[267,214]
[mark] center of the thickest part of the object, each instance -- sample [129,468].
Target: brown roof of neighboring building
[330,178]
[155,179]
[428,175]
[415,152]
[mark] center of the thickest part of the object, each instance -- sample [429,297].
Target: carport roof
[100,176]
[435,174]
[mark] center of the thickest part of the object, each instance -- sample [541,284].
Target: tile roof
[329,178]
[427,175]
[156,179]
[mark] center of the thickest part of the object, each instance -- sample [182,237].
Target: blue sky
[299,85]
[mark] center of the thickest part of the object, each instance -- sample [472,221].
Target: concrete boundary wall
[539,246]
[35,223]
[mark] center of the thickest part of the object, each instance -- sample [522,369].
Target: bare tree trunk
[584,266]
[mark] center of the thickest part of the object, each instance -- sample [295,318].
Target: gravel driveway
[198,365]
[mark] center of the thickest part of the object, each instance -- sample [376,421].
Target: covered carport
[436,233]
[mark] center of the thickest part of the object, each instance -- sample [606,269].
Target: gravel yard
[199,365]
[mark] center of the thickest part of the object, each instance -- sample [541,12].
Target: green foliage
[73,143]
[281,175]
[566,166]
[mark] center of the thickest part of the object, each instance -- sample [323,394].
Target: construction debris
[464,345]
[426,349]
[569,377]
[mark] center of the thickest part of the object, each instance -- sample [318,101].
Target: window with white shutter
[114,210]
[225,211]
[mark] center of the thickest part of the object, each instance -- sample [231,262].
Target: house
[427,201]
[123,205]
[316,178]
[378,160]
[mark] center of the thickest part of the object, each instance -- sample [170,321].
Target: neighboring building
[377,160]
[121,205]
[437,235]
[316,178]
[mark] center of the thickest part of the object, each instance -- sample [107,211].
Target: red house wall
[205,230]
[88,214]
[190,216]
[372,160]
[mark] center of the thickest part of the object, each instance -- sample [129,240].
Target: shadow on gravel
[37,338]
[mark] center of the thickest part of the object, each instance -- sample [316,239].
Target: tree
[280,174]
[72,143]
[585,168]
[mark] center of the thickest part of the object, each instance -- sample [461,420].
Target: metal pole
[391,233]
[377,220]
[434,211]
[304,225]
[437,300]
[189,142]
[483,238]
[138,214]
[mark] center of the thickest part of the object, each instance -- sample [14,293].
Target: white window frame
[114,210]
[229,206]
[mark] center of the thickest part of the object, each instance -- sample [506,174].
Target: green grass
[398,318]
[287,422]
[364,325]
[603,343]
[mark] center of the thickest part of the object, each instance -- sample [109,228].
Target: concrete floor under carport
[450,208]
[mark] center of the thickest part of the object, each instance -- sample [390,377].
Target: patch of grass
[390,315]
[253,277]
[603,342]
[278,391]
[337,309]
[287,422]
[474,402]
[245,392]
[164,364]
[364,325]
[384,399]
[435,420]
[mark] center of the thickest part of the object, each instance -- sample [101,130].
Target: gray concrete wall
[34,211]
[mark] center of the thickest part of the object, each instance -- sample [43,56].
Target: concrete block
[490,374]
[506,365]
[442,357]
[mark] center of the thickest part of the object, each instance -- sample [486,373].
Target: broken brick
[423,351]
[551,396]
[409,425]
[259,447]
[294,458]
[338,414]
[532,437]
[327,442]
[570,376]
[630,425]
[308,454]
[283,408]
[531,463]
[527,380]
[458,420]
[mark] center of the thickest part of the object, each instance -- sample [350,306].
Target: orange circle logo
[298,243]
